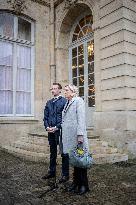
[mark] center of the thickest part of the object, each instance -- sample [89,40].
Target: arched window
[83,27]
[16,65]
[82,59]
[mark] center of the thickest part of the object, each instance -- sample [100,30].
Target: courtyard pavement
[21,184]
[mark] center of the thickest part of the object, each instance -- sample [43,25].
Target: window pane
[6,24]
[74,62]
[74,52]
[91,90]
[82,22]
[23,103]
[23,82]
[81,70]
[88,19]
[91,101]
[90,46]
[6,102]
[6,78]
[81,91]
[75,81]
[74,72]
[80,50]
[87,29]
[90,67]
[74,37]
[84,26]
[91,79]
[81,80]
[24,29]
[81,60]
[24,57]
[80,34]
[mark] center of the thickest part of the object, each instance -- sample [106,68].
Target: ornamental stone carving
[70,3]
[17,5]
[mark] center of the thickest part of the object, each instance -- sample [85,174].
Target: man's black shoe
[63,179]
[48,176]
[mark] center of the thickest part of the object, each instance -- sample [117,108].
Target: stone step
[96,143]
[37,140]
[42,157]
[42,148]
[27,155]
[109,158]
[104,150]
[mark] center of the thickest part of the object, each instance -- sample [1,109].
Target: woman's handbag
[80,157]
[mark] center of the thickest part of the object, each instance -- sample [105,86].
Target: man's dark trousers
[53,142]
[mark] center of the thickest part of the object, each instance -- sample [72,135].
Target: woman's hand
[80,139]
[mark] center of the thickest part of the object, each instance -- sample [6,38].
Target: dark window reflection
[80,50]
[90,67]
[24,29]
[81,80]
[74,62]
[74,52]
[74,72]
[82,22]
[77,29]
[81,70]
[91,101]
[75,81]
[74,37]
[91,90]
[81,60]
[90,79]
[81,91]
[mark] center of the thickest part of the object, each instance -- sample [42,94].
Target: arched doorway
[81,63]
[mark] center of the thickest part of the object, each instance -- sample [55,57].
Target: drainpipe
[52,44]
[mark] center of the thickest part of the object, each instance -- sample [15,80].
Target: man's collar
[55,98]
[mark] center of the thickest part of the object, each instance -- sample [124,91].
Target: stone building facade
[91,43]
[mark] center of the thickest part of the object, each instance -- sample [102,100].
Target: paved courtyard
[21,184]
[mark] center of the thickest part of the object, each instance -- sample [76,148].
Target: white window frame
[15,41]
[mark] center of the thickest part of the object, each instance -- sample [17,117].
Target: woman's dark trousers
[80,177]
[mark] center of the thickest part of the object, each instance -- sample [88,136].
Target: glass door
[82,75]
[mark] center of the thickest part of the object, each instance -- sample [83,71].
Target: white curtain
[6,78]
[23,86]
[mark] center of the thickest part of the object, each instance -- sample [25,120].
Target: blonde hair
[73,88]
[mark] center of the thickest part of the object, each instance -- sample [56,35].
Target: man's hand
[54,129]
[51,129]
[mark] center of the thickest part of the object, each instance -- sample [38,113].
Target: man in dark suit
[52,122]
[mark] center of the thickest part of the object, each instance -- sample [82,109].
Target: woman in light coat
[74,132]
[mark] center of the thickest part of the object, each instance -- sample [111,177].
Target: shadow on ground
[21,184]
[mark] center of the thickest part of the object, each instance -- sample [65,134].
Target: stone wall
[118,73]
[115,67]
[13,128]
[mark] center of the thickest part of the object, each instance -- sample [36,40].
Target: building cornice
[42,2]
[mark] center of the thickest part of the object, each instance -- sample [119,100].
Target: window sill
[19,120]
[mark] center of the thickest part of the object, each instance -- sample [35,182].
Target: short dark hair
[58,84]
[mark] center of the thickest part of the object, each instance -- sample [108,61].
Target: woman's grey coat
[73,124]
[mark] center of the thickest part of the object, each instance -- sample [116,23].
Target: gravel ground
[21,184]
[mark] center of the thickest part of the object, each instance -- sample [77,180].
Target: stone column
[52,44]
